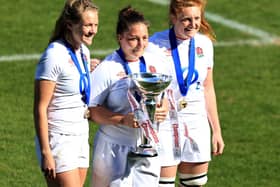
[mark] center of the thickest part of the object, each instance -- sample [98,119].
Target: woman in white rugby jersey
[118,132]
[62,90]
[185,138]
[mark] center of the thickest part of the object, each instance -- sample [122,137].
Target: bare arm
[43,93]
[102,115]
[212,112]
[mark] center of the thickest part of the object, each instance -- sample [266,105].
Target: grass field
[246,80]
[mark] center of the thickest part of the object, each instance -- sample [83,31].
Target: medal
[87,114]
[182,104]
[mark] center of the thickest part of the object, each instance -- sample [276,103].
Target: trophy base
[144,150]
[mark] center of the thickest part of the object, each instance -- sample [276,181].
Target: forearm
[41,127]
[102,115]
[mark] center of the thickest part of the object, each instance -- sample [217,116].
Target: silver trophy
[151,85]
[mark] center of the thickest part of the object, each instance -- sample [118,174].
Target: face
[85,31]
[134,42]
[187,22]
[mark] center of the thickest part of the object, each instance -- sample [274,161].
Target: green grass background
[246,80]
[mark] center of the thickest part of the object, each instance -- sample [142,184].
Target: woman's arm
[102,115]
[43,93]
[212,112]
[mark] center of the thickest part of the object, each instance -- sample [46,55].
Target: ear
[119,37]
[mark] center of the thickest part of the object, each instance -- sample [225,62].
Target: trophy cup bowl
[151,85]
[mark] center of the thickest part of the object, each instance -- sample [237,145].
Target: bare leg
[199,170]
[72,178]
[167,176]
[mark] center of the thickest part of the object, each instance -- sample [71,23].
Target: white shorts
[195,142]
[113,167]
[69,151]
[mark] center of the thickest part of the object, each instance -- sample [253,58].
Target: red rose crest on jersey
[199,52]
[152,69]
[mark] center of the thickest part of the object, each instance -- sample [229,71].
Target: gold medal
[87,114]
[183,104]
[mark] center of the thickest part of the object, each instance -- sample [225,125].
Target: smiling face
[187,22]
[85,31]
[134,41]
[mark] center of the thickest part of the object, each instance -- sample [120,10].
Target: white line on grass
[24,57]
[240,27]
[264,37]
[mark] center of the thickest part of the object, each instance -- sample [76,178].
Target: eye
[87,26]
[186,19]
[197,18]
[132,38]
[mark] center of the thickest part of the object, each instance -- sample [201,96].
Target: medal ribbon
[84,77]
[183,83]
[127,69]
[125,64]
[175,125]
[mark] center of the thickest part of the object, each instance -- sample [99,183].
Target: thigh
[70,178]
[66,179]
[193,168]
[168,171]
[82,175]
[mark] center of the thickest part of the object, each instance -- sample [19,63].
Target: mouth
[88,37]
[138,50]
[189,29]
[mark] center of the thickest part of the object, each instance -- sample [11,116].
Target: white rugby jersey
[110,86]
[203,61]
[66,108]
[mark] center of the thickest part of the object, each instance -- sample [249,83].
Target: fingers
[135,123]
[218,149]
[160,114]
[130,121]
[49,173]
[161,110]
[94,63]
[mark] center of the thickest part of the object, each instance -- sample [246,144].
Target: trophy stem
[150,105]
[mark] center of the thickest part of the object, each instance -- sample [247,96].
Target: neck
[132,60]
[182,38]
[74,45]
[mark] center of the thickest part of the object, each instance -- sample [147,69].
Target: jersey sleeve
[210,53]
[48,67]
[100,85]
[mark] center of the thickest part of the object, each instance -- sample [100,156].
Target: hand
[94,63]
[48,166]
[161,111]
[217,144]
[130,121]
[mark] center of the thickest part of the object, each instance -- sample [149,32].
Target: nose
[141,42]
[93,29]
[193,23]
